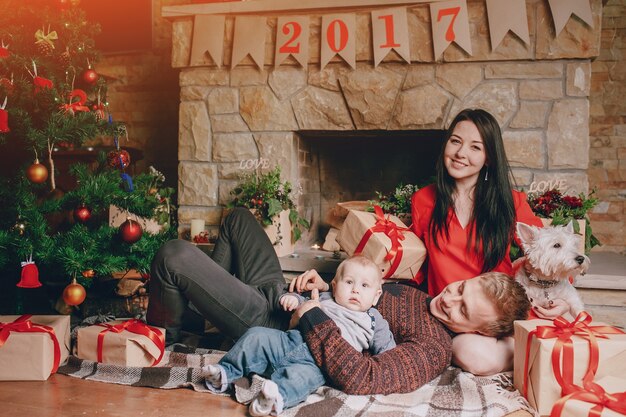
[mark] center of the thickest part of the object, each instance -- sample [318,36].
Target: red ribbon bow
[137,327]
[23,325]
[393,232]
[41,83]
[78,105]
[594,394]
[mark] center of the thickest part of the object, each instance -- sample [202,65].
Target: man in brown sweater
[422,327]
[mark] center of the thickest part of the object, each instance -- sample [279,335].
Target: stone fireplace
[364,126]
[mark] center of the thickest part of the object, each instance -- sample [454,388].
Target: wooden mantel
[265,6]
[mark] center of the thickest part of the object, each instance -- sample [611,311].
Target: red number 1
[388,32]
[454,11]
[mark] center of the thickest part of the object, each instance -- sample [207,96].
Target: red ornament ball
[118,159]
[130,231]
[82,214]
[74,294]
[90,76]
[37,173]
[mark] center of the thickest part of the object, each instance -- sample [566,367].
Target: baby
[284,357]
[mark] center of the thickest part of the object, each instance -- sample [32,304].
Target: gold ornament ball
[74,294]
[37,173]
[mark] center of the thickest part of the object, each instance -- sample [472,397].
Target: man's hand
[307,281]
[289,302]
[304,307]
[557,308]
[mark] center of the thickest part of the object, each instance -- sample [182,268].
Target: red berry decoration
[82,214]
[118,159]
[90,76]
[130,231]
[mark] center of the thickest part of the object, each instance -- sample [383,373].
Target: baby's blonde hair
[363,261]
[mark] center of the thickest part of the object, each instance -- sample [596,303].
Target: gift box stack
[385,240]
[573,368]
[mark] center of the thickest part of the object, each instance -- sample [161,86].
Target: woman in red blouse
[466,220]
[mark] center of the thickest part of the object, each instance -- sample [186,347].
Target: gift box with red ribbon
[385,240]
[32,347]
[606,398]
[556,358]
[122,342]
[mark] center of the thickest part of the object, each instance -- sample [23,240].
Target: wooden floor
[66,396]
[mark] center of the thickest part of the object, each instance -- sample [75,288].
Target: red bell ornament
[4,117]
[82,214]
[118,159]
[30,275]
[130,231]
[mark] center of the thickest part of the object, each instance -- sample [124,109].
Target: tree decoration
[4,117]
[7,85]
[45,41]
[76,102]
[37,173]
[4,51]
[88,273]
[82,214]
[74,294]
[30,275]
[90,76]
[130,231]
[118,159]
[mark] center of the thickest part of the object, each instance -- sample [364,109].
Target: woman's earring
[486,174]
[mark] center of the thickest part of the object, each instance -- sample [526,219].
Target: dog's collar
[542,283]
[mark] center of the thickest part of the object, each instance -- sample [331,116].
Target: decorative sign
[504,16]
[450,24]
[338,33]
[562,10]
[390,30]
[292,38]
[449,21]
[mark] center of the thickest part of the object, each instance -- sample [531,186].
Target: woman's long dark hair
[494,210]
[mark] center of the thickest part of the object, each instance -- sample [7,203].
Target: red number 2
[454,11]
[289,47]
[390,42]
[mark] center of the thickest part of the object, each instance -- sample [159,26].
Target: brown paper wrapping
[30,356]
[125,348]
[543,389]
[413,250]
[611,384]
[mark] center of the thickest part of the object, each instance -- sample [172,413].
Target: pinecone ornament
[65,59]
[44,48]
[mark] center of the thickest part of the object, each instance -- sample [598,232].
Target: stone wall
[607,167]
[538,93]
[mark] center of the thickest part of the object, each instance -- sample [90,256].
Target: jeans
[281,356]
[235,289]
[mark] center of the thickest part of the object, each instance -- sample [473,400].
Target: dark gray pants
[236,289]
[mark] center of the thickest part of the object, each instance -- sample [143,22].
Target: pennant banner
[292,38]
[562,10]
[208,37]
[249,39]
[338,33]
[390,30]
[504,16]
[450,23]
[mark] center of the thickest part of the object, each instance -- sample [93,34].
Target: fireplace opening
[338,166]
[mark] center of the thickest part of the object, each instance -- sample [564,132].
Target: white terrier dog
[552,257]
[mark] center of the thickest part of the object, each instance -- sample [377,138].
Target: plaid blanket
[453,393]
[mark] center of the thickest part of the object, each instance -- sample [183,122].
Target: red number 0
[390,42]
[343,35]
[454,11]
[297,30]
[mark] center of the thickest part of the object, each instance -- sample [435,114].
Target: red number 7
[454,11]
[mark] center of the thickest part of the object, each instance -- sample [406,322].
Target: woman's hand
[308,281]
[304,307]
[558,307]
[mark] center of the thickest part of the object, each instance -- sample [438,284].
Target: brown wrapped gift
[29,356]
[611,385]
[358,224]
[543,389]
[120,347]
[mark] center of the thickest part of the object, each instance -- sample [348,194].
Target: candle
[197,227]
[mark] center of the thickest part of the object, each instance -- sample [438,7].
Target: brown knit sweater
[424,347]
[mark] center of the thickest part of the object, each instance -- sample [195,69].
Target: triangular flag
[292,38]
[563,9]
[249,38]
[208,36]
[450,23]
[338,37]
[390,30]
[504,16]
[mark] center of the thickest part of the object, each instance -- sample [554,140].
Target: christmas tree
[50,97]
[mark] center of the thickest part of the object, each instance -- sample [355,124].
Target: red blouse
[452,262]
